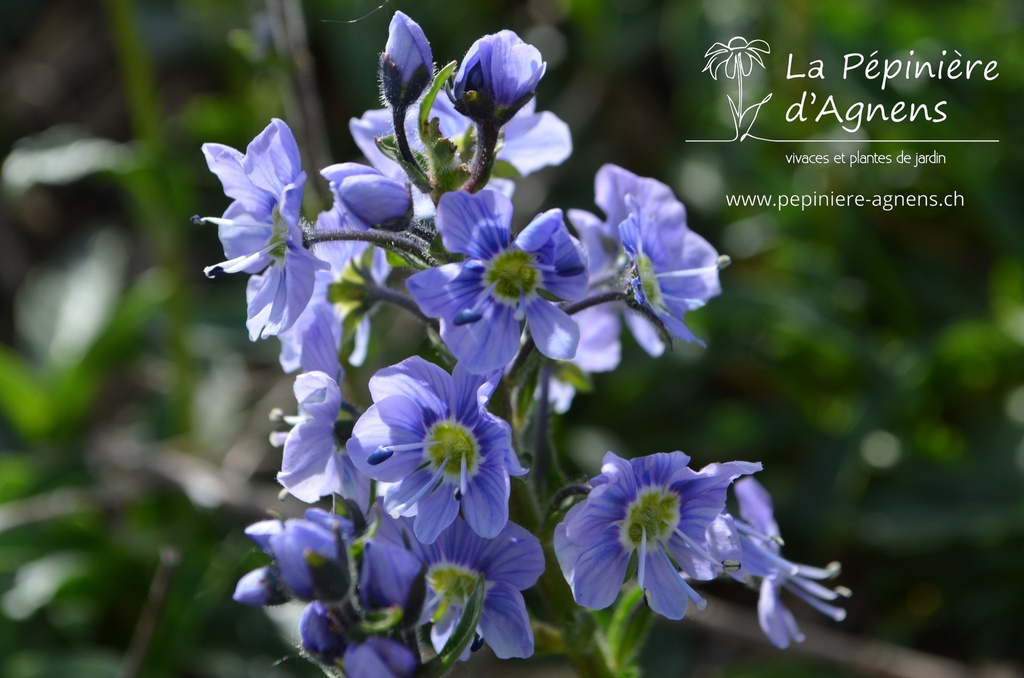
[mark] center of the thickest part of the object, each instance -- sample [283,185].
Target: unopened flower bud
[498,76]
[406,64]
[261,587]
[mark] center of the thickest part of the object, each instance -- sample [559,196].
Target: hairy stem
[596,300]
[385,240]
[483,161]
[398,114]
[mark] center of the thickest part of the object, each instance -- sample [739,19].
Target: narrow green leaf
[427,104]
[628,627]
[463,634]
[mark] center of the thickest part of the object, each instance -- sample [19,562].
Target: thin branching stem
[401,245]
[396,298]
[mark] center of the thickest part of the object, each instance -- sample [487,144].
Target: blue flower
[624,196]
[323,636]
[260,230]
[481,300]
[307,554]
[675,270]
[756,543]
[407,63]
[657,507]
[315,463]
[496,78]
[429,434]
[509,563]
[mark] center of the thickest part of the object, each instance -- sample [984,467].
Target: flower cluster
[424,552]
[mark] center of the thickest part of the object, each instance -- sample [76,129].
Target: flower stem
[401,136]
[391,242]
[541,456]
[394,298]
[596,300]
[483,161]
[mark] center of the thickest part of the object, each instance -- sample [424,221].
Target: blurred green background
[872,359]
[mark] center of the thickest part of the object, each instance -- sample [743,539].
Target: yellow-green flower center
[278,237]
[448,443]
[512,275]
[656,511]
[453,585]
[649,280]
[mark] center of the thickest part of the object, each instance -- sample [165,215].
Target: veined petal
[504,622]
[272,159]
[514,556]
[391,421]
[485,502]
[475,224]
[555,333]
[535,140]
[539,232]
[776,620]
[436,510]
[488,344]
[613,184]
[444,291]
[599,571]
[306,463]
[226,163]
[667,591]
[756,506]
[418,380]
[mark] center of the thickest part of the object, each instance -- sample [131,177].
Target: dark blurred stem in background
[157,186]
[302,99]
[141,641]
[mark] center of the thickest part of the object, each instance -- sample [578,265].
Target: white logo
[736,60]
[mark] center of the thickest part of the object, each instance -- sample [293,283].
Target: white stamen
[687,273]
[701,551]
[428,486]
[641,569]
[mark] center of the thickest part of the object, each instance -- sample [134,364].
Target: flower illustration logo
[736,60]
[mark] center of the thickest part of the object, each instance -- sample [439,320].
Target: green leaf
[427,104]
[24,399]
[463,634]
[396,260]
[628,627]
[346,292]
[448,172]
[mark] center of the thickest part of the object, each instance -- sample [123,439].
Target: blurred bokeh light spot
[880,449]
